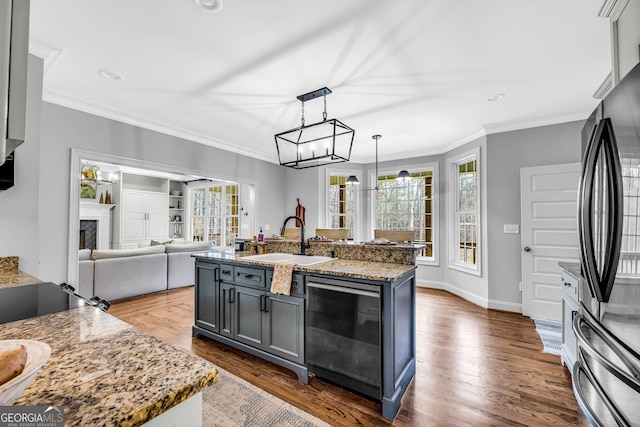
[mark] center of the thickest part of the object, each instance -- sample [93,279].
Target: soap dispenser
[260,236]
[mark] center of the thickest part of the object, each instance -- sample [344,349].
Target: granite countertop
[11,276]
[572,268]
[105,371]
[367,270]
[16,278]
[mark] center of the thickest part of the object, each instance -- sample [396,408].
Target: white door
[548,202]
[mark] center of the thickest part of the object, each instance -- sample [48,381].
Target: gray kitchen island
[348,321]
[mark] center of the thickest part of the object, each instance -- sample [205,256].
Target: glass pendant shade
[352,179]
[403,175]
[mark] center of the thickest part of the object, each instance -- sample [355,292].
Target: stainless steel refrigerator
[606,376]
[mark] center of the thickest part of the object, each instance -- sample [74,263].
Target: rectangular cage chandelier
[317,144]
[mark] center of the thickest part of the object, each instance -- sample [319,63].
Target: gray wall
[506,153]
[64,128]
[19,210]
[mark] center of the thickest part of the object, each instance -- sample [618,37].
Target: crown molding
[102,111]
[45,51]
[464,140]
[612,9]
[604,87]
[528,124]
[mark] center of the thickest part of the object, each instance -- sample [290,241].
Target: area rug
[234,402]
[550,332]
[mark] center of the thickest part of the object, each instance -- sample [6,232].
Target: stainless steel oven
[343,334]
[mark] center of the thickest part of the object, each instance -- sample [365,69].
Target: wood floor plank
[475,367]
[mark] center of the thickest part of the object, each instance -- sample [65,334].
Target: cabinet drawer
[249,276]
[226,273]
[297,282]
[570,287]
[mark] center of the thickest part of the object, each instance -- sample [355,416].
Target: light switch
[511,228]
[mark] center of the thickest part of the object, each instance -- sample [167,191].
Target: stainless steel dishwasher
[343,334]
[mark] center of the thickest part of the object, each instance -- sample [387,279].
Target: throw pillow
[156,243]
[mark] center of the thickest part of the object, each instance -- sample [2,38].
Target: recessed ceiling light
[496,97]
[209,5]
[111,75]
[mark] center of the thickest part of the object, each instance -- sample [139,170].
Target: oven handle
[343,289]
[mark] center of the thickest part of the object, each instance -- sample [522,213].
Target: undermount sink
[302,260]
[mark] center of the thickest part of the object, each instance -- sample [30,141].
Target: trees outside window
[409,204]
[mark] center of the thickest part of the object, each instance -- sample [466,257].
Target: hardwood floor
[475,367]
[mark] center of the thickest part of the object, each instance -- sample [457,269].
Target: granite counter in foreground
[106,372]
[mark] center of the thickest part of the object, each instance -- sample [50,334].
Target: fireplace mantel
[102,214]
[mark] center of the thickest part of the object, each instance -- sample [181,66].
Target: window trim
[453,168]
[357,226]
[433,261]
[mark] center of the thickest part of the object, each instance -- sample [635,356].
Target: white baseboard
[432,284]
[471,297]
[505,305]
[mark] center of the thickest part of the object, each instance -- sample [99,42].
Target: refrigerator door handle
[602,145]
[585,211]
[615,206]
[586,346]
[581,367]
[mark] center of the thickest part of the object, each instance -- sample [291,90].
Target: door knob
[527,249]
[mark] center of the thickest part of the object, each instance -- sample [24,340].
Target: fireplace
[95,226]
[88,233]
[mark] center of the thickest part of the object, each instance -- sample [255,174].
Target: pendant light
[317,144]
[403,175]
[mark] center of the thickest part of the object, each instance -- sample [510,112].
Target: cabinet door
[134,216]
[248,317]
[284,327]
[157,216]
[207,296]
[227,306]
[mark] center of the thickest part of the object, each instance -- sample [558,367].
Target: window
[464,204]
[342,204]
[215,213]
[410,205]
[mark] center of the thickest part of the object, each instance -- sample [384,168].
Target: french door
[214,213]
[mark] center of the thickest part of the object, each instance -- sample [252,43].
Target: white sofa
[181,266]
[85,273]
[115,274]
[124,273]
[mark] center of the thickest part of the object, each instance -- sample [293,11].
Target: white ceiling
[416,71]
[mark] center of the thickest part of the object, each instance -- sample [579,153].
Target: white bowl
[176,193]
[38,353]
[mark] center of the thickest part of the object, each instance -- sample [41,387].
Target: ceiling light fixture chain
[302,114]
[324,114]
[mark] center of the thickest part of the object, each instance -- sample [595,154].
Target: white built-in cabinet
[143,212]
[145,216]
